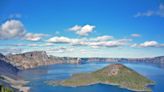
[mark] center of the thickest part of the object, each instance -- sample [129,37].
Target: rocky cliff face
[155,60]
[5,67]
[28,60]
[37,58]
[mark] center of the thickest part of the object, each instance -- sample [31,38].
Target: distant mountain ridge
[154,60]
[33,59]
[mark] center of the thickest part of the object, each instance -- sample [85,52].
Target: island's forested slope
[115,74]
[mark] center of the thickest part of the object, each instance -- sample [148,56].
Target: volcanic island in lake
[114,74]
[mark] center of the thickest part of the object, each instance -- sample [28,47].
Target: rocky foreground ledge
[14,85]
[115,74]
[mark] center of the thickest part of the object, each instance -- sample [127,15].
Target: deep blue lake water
[40,75]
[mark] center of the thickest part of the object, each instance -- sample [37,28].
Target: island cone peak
[114,74]
[112,70]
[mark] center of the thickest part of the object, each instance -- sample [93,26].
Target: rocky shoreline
[17,84]
[13,63]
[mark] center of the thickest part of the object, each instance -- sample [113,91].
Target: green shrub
[5,89]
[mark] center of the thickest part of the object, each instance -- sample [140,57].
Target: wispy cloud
[34,37]
[104,41]
[159,12]
[135,35]
[82,30]
[11,50]
[60,49]
[102,38]
[15,15]
[28,45]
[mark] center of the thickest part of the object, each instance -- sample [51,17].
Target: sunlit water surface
[38,76]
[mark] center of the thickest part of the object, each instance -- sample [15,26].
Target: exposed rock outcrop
[37,58]
[5,67]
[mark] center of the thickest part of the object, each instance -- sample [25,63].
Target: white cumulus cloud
[82,30]
[11,29]
[148,44]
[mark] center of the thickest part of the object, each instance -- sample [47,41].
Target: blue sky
[83,28]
